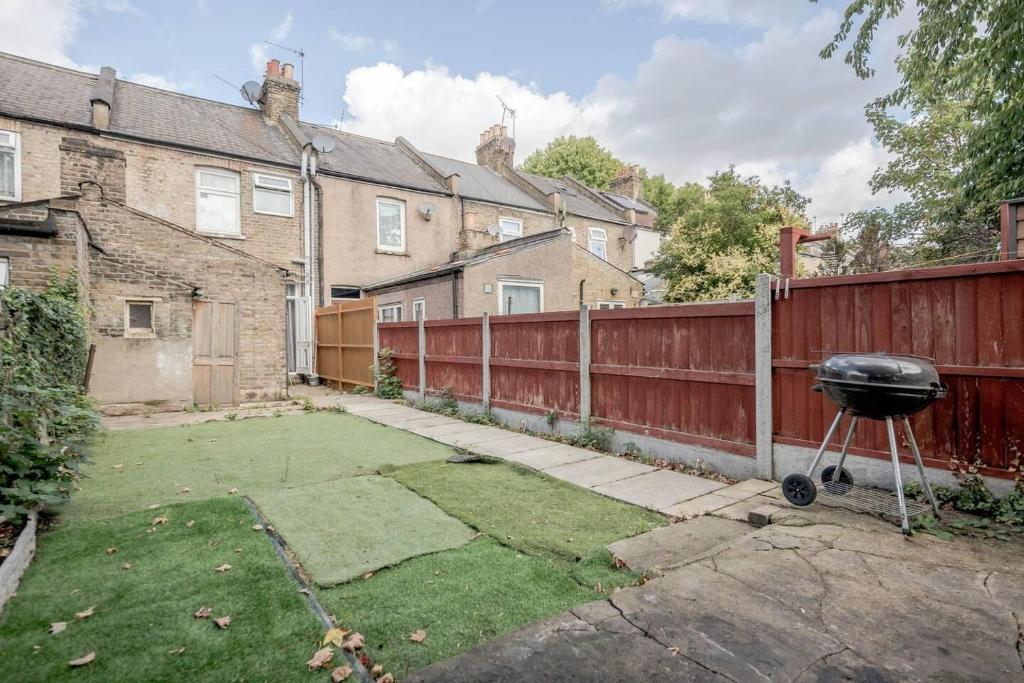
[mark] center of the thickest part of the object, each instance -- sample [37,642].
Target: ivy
[389,385]
[45,415]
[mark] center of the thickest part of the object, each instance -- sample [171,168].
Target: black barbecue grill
[875,386]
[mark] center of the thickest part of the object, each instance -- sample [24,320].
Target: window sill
[136,334]
[220,235]
[385,252]
[275,215]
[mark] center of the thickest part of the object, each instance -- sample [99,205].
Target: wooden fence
[344,342]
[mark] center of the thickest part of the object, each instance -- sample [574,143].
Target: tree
[961,81]
[670,201]
[871,241]
[580,157]
[728,235]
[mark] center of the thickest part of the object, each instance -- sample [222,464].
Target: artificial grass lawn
[526,510]
[251,455]
[145,612]
[461,598]
[341,529]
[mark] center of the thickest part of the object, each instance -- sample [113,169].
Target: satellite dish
[492,230]
[427,209]
[252,92]
[323,143]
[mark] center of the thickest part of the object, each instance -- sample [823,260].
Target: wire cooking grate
[866,499]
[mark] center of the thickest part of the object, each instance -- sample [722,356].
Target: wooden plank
[940,273]
[740,378]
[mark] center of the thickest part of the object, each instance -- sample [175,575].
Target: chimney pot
[273,68]
[288,71]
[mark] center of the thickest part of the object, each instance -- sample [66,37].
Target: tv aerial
[302,66]
[507,110]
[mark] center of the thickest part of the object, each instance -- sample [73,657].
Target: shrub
[389,385]
[46,416]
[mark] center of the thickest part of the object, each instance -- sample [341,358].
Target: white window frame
[390,307]
[420,304]
[502,235]
[225,173]
[518,283]
[140,332]
[597,236]
[10,139]
[401,208]
[257,176]
[610,305]
[5,271]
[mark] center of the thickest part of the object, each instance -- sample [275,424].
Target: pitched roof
[30,89]
[483,183]
[627,202]
[575,202]
[376,160]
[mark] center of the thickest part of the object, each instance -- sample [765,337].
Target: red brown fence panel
[969,319]
[403,341]
[683,373]
[454,357]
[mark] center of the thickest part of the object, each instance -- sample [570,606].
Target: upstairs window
[10,166]
[599,243]
[510,229]
[390,225]
[217,205]
[344,292]
[419,309]
[391,313]
[272,195]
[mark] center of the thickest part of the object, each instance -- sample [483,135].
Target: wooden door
[214,347]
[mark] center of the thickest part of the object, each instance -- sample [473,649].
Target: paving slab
[671,546]
[740,510]
[603,469]
[698,506]
[658,489]
[512,444]
[423,420]
[552,455]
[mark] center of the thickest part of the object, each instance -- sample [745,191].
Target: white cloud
[745,12]
[771,107]
[116,6]
[39,29]
[349,41]
[162,82]
[259,53]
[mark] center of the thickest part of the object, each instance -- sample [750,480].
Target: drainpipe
[318,261]
[307,242]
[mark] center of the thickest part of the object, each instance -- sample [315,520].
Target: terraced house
[204,234]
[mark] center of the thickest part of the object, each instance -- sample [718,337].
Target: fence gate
[344,342]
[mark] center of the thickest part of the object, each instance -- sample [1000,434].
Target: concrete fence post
[584,364]
[763,375]
[422,353]
[485,362]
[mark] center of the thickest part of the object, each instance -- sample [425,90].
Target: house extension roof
[370,159]
[483,183]
[575,202]
[53,94]
[638,205]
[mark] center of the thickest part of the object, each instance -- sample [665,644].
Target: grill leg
[920,466]
[904,519]
[846,447]
[824,444]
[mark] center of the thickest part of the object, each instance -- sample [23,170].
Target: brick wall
[480,215]
[620,252]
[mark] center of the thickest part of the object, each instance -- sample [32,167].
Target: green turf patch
[134,469]
[341,529]
[526,510]
[144,613]
[461,598]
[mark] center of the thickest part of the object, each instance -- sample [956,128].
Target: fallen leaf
[354,642]
[202,612]
[185,489]
[341,673]
[674,651]
[57,626]
[158,520]
[118,466]
[190,523]
[176,651]
[334,636]
[238,550]
[83,660]
[86,613]
[222,622]
[367,575]
[257,527]
[111,551]
[418,636]
[232,492]
[223,568]
[126,566]
[321,659]
[377,670]
[154,506]
[304,591]
[386,678]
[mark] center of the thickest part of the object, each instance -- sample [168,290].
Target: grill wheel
[799,490]
[839,488]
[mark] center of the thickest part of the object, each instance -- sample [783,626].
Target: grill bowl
[878,385]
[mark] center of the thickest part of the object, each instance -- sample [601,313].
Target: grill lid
[879,370]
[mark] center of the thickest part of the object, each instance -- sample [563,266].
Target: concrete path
[821,595]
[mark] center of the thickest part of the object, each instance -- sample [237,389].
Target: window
[515,296]
[271,195]
[390,225]
[217,207]
[604,305]
[391,313]
[10,166]
[344,292]
[5,271]
[419,309]
[138,319]
[510,229]
[599,243]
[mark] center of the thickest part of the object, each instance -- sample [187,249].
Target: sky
[681,87]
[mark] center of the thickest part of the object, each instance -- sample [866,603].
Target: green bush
[45,416]
[389,385]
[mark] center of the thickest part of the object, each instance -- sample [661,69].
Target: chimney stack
[280,92]
[629,182]
[102,98]
[496,149]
